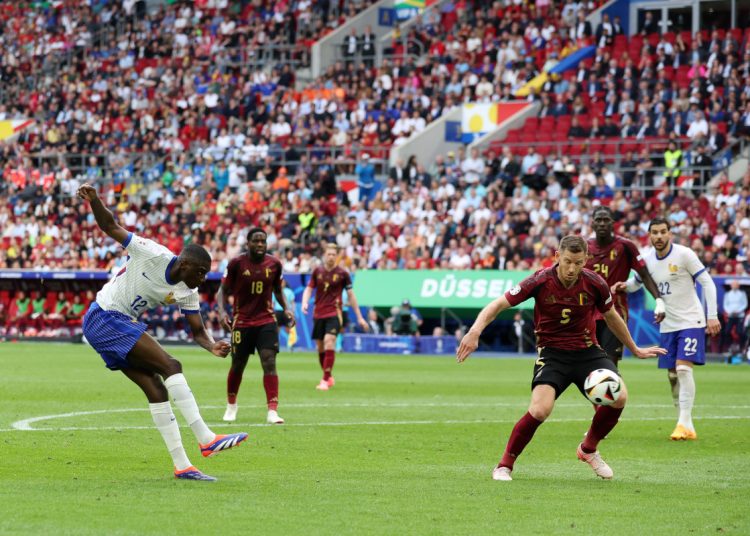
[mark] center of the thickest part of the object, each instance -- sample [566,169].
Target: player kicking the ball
[329,281]
[675,269]
[153,276]
[566,298]
[252,279]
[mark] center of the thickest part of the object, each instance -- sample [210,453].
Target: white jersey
[143,283]
[674,275]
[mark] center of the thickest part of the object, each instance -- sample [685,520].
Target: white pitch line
[360,423]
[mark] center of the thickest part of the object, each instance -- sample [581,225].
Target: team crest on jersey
[673,268]
[583,298]
[334,277]
[515,290]
[169,299]
[612,255]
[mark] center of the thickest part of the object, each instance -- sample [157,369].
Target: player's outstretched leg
[166,423]
[685,430]
[522,433]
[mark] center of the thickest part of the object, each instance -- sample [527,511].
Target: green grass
[402,445]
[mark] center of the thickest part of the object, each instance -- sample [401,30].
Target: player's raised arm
[470,341]
[104,218]
[620,329]
[204,339]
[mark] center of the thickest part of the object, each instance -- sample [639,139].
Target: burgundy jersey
[563,317]
[329,285]
[614,262]
[252,286]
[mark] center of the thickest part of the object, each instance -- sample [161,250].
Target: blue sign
[386,16]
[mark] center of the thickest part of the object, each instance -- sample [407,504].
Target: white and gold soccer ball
[602,387]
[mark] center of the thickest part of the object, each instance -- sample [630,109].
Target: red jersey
[329,285]
[563,317]
[614,262]
[252,286]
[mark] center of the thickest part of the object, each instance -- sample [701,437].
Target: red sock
[604,420]
[321,359]
[330,357]
[234,379]
[271,385]
[522,433]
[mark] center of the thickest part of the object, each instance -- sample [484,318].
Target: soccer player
[613,257]
[153,276]
[329,281]
[675,269]
[252,278]
[566,297]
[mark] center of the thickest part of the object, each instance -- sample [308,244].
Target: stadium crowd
[192,150]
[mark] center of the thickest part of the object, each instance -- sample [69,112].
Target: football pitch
[401,445]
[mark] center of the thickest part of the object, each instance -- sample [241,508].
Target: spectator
[735,307]
[365,178]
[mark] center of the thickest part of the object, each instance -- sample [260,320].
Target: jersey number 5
[565,316]
[602,268]
[256,287]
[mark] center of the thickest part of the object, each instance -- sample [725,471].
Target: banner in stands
[481,118]
[406,9]
[10,129]
[436,288]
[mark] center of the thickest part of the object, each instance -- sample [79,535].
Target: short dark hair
[254,230]
[603,208]
[196,254]
[658,221]
[574,244]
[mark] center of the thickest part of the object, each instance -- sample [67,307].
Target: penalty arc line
[25,425]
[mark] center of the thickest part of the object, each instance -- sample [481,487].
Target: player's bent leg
[164,419]
[147,354]
[542,403]
[604,421]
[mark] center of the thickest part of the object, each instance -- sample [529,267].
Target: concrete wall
[429,143]
[326,51]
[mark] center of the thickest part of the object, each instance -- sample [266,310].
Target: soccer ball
[602,387]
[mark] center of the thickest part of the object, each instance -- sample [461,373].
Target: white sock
[185,402]
[674,382]
[687,395]
[166,423]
